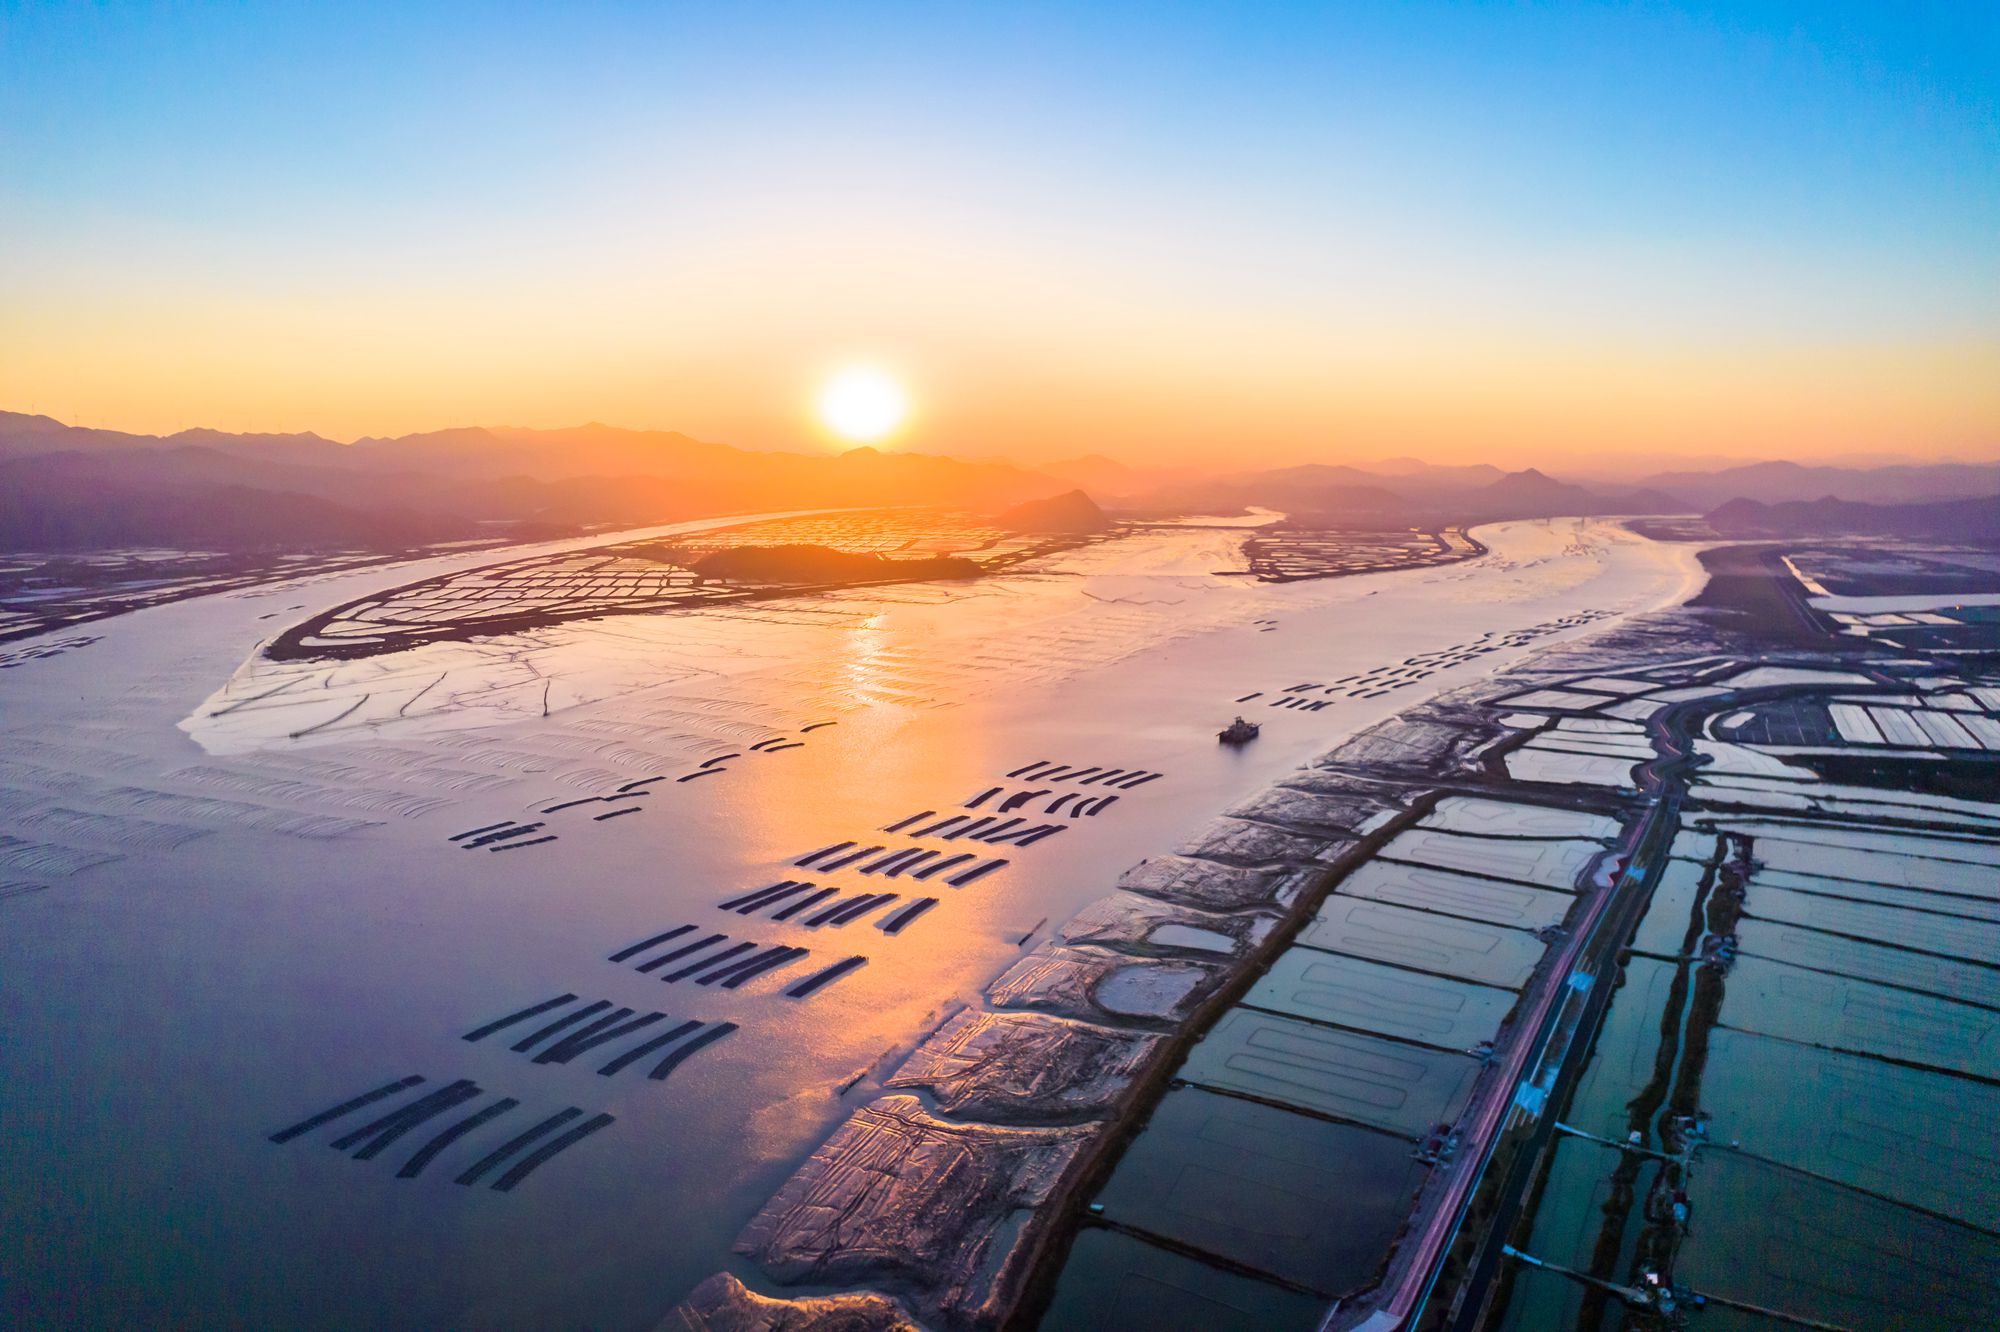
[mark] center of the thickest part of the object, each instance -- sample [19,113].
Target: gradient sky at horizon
[1243,233]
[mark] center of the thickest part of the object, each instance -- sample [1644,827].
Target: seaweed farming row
[500,1166]
[629,798]
[714,960]
[1381,681]
[729,964]
[816,906]
[571,1028]
[562,1040]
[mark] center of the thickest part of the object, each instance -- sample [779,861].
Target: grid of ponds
[1789,1111]
[1278,1170]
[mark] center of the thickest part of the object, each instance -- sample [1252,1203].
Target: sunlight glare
[862,404]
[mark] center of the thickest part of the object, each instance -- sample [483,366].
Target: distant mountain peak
[30,421]
[1072,511]
[1531,481]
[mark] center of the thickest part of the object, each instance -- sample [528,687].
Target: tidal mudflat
[246,893]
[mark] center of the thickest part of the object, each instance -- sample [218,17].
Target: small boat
[1238,732]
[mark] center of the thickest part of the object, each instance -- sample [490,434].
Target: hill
[441,485]
[66,503]
[1969,520]
[1109,478]
[1072,511]
[1532,494]
[1420,497]
[1785,482]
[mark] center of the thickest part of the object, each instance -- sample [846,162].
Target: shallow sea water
[274,926]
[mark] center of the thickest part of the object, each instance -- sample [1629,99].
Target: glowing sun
[862,404]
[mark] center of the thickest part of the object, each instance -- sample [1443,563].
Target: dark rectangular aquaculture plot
[373,1137]
[1470,950]
[1450,894]
[654,964]
[1388,1001]
[1111,1280]
[1290,1195]
[977,872]
[1404,1089]
[346,1108]
[1845,1257]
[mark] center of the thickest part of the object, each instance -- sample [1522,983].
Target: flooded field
[44,595]
[1724,962]
[1787,1113]
[1940,600]
[634,577]
[579,940]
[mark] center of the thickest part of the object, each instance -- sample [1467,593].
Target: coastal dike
[1308,1069]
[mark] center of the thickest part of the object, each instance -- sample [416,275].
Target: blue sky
[1775,177]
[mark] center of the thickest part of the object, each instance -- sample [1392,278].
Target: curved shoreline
[1132,675]
[1024,1273]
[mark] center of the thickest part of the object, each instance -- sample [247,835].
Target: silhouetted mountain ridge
[1970,520]
[1344,494]
[1073,511]
[442,483]
[491,479]
[1788,482]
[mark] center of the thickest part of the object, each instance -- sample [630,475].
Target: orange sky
[1518,238]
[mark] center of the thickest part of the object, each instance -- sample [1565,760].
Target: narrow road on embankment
[1563,1026]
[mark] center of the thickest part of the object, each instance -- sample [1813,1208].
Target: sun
[862,404]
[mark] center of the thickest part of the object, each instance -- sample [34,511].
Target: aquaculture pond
[1789,1109]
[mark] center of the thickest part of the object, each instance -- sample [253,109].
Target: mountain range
[1786,482]
[1958,520]
[74,488]
[1415,494]
[63,488]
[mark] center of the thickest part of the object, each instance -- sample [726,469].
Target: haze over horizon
[1614,467]
[1465,233]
